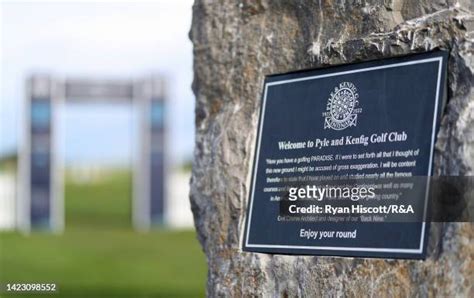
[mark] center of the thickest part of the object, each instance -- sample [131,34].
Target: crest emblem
[342,107]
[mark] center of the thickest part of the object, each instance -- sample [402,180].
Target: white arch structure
[41,199]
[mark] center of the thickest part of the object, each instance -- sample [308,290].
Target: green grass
[104,204]
[100,255]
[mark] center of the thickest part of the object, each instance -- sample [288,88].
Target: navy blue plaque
[157,165]
[40,168]
[377,120]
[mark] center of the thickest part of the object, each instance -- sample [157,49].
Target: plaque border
[439,57]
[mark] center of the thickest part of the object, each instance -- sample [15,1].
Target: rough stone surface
[237,43]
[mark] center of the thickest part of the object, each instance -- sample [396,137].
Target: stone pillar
[237,43]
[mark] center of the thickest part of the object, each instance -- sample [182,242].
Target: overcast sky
[98,39]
